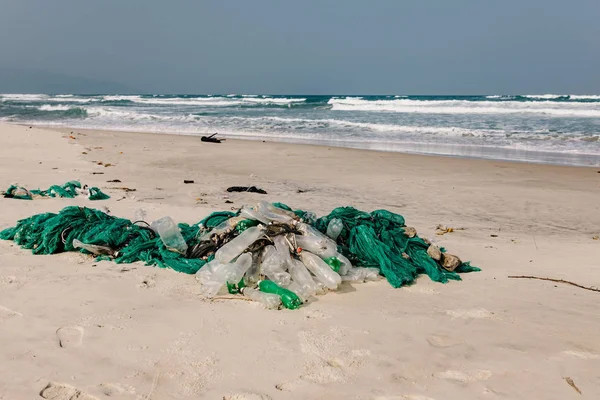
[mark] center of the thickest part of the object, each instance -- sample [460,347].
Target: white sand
[101,330]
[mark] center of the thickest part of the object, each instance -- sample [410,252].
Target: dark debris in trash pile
[267,253]
[251,189]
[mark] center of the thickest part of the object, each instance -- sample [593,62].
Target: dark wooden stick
[593,289]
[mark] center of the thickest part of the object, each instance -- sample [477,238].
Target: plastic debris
[68,190]
[251,189]
[266,252]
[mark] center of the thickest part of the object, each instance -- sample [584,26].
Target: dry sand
[95,330]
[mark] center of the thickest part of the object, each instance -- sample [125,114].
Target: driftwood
[593,289]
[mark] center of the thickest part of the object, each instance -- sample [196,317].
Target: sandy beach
[95,330]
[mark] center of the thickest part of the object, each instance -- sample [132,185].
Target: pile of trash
[265,252]
[68,190]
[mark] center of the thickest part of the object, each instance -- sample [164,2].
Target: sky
[301,47]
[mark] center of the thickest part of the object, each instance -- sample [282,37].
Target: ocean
[555,129]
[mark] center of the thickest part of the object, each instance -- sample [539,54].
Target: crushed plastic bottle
[298,290]
[170,235]
[361,274]
[237,269]
[227,225]
[215,275]
[269,300]
[309,217]
[319,245]
[334,228]
[252,276]
[346,264]
[251,213]
[140,215]
[273,214]
[93,248]
[212,277]
[283,251]
[321,270]
[288,298]
[273,266]
[234,248]
[302,277]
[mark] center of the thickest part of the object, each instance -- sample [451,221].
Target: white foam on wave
[545,96]
[110,114]
[121,98]
[328,123]
[52,107]
[33,98]
[208,101]
[584,97]
[23,97]
[500,97]
[467,107]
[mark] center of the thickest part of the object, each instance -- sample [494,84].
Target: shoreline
[475,152]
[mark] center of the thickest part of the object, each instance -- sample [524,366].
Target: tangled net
[267,252]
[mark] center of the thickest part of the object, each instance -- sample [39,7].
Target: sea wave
[103,113]
[23,97]
[466,107]
[52,107]
[584,97]
[545,96]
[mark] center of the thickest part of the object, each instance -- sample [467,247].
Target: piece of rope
[593,289]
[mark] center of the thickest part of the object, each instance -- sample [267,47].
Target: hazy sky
[304,46]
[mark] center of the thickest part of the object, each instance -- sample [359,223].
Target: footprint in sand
[582,355]
[117,390]
[464,377]
[70,336]
[475,313]
[247,396]
[443,341]
[6,313]
[421,290]
[403,397]
[62,391]
[330,360]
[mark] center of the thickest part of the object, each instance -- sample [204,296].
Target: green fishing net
[68,190]
[375,239]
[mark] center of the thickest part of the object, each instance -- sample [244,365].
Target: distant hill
[14,80]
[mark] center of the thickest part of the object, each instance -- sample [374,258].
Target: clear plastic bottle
[269,300]
[273,267]
[302,277]
[170,235]
[93,248]
[212,277]
[140,215]
[227,225]
[283,251]
[237,269]
[273,213]
[250,213]
[346,264]
[334,228]
[235,247]
[319,245]
[361,274]
[252,276]
[321,270]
